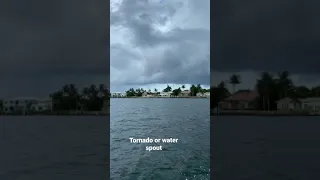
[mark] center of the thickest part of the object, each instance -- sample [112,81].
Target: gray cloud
[267,35]
[154,42]
[44,44]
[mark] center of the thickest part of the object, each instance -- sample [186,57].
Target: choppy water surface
[264,148]
[53,148]
[185,119]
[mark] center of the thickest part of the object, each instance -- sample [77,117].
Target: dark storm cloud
[160,43]
[54,40]
[266,35]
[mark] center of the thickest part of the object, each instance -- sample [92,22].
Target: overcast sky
[158,42]
[46,44]
[266,35]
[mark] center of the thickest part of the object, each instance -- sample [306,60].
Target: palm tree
[284,84]
[234,80]
[219,93]
[199,89]
[167,89]
[183,86]
[264,87]
[315,91]
[93,91]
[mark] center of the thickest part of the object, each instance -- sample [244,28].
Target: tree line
[91,98]
[271,88]
[194,89]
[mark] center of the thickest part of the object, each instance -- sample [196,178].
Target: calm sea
[265,148]
[53,148]
[185,119]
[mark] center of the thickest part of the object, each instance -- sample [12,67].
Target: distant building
[165,94]
[241,100]
[308,104]
[22,104]
[185,93]
[288,104]
[148,94]
[118,95]
[311,103]
[206,94]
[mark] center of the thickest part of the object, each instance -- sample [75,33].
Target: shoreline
[263,113]
[59,114]
[189,97]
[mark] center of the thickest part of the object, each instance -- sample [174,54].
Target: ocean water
[264,148]
[185,119]
[53,148]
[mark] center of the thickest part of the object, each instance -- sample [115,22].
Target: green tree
[1,106]
[315,91]
[193,90]
[266,88]
[176,92]
[167,89]
[284,84]
[234,80]
[131,92]
[219,93]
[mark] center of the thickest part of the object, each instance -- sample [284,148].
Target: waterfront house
[311,104]
[21,104]
[288,104]
[148,94]
[185,93]
[242,99]
[206,94]
[165,94]
[118,95]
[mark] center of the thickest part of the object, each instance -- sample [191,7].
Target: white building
[206,94]
[21,104]
[185,93]
[165,94]
[118,95]
[309,104]
[288,104]
[312,103]
[148,95]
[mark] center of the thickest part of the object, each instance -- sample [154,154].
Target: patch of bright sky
[114,5]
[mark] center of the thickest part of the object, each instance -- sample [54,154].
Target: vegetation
[218,94]
[234,80]
[89,98]
[1,106]
[175,92]
[271,89]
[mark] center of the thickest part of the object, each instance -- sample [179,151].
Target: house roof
[288,100]
[310,99]
[243,95]
[185,91]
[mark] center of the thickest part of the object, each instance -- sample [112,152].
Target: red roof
[243,95]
